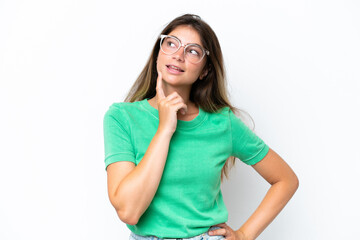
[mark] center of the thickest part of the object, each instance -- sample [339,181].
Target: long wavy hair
[210,93]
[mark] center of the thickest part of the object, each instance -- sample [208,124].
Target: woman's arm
[283,182]
[131,189]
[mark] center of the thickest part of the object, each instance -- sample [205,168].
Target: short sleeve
[117,137]
[246,145]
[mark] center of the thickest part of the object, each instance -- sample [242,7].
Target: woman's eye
[171,44]
[193,52]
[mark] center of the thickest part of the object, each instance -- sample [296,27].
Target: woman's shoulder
[223,111]
[117,109]
[118,106]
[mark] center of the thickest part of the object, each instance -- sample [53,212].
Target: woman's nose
[179,55]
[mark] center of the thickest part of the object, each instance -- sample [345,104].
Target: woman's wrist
[164,134]
[242,235]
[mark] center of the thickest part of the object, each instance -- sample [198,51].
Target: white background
[293,65]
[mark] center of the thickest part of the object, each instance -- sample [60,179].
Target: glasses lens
[169,45]
[194,53]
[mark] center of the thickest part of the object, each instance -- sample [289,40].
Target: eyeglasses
[193,52]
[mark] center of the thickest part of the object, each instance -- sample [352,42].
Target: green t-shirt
[188,200]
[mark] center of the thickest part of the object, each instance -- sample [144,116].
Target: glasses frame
[205,51]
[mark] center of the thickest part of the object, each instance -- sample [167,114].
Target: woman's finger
[159,89]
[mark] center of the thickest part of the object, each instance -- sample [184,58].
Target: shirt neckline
[181,124]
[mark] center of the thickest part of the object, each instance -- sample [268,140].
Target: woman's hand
[168,106]
[227,232]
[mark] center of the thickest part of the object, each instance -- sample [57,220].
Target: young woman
[169,144]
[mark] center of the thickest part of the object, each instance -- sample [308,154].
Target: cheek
[161,59]
[161,56]
[196,70]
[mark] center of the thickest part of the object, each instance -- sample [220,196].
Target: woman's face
[189,72]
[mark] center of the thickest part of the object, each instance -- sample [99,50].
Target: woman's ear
[203,74]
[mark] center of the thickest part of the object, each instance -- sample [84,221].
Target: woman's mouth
[174,69]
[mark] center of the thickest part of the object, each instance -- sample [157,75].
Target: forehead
[186,34]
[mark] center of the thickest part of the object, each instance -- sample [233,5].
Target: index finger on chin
[159,88]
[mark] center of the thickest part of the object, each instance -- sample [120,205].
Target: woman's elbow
[294,182]
[124,212]
[127,218]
